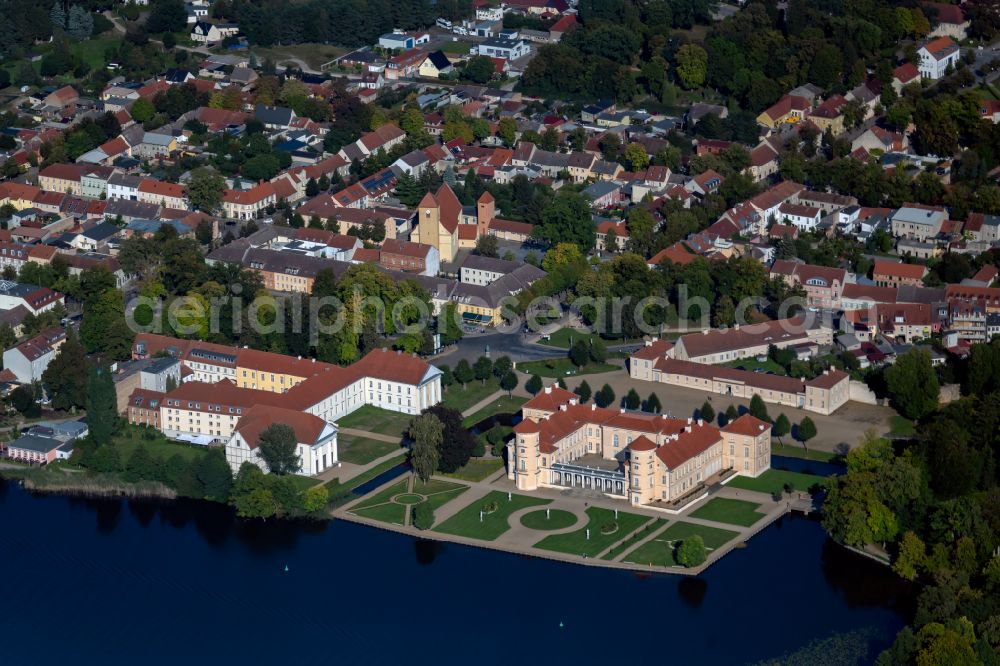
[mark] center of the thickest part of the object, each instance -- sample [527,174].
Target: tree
[653,404]
[533,385]
[567,219]
[806,430]
[166,16]
[636,157]
[141,466]
[457,443]
[692,552]
[912,384]
[67,374]
[479,69]
[278,447]
[142,110]
[632,399]
[605,397]
[758,409]
[911,556]
[23,399]
[102,406]
[427,433]
[488,246]
[508,382]
[104,328]
[598,350]
[258,503]
[79,23]
[215,475]
[204,190]
[507,131]
[579,353]
[732,413]
[483,369]
[706,413]
[692,65]
[423,516]
[583,391]
[315,498]
[781,427]
[502,366]
[563,254]
[106,459]
[464,373]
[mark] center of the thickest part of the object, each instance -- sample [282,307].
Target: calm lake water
[116,582]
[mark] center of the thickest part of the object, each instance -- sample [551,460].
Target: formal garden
[729,511]
[487,517]
[604,527]
[663,549]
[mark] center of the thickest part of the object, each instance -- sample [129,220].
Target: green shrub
[423,516]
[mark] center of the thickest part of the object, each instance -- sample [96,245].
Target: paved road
[514,345]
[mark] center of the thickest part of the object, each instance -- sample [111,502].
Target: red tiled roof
[550,399]
[748,425]
[899,270]
[259,418]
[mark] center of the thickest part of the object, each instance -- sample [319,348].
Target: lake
[114,582]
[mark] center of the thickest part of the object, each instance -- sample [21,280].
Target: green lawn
[476,469]
[576,543]
[313,54]
[752,364]
[774,480]
[362,450]
[92,51]
[475,391]
[466,522]
[439,493]
[383,496]
[660,550]
[554,520]
[459,47]
[730,511]
[564,338]
[387,513]
[639,535]
[563,367]
[502,405]
[796,451]
[158,447]
[374,419]
[341,492]
[901,426]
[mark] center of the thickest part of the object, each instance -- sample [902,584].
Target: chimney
[562,408]
[300,357]
[700,423]
[399,352]
[593,407]
[704,331]
[687,428]
[689,420]
[548,390]
[622,410]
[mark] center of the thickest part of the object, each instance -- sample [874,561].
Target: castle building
[445,224]
[650,460]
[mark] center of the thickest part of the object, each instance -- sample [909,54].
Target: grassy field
[466,522]
[373,419]
[475,391]
[362,450]
[158,447]
[382,507]
[476,469]
[502,405]
[313,55]
[563,367]
[92,51]
[555,520]
[660,550]
[564,338]
[795,451]
[774,480]
[730,511]
[752,364]
[901,426]
[639,535]
[459,47]
[388,512]
[577,543]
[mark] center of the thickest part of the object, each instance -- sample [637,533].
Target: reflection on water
[183,577]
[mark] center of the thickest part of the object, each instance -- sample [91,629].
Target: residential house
[896,274]
[823,285]
[204,32]
[248,204]
[167,195]
[936,56]
[918,223]
[803,217]
[29,359]
[789,110]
